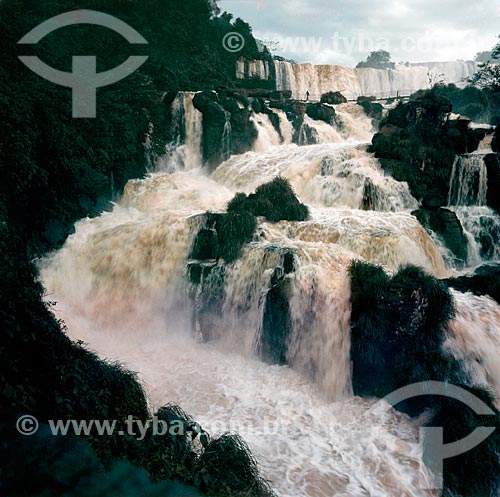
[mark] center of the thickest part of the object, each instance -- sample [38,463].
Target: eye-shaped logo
[84,80]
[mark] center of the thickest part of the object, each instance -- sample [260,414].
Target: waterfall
[121,284]
[285,77]
[329,175]
[286,127]
[382,83]
[184,151]
[469,181]
[482,229]
[267,135]
[252,69]
[226,137]
[474,338]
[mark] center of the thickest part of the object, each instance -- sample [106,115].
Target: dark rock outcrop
[418,143]
[373,109]
[277,323]
[214,121]
[445,223]
[305,135]
[493,168]
[495,144]
[219,112]
[485,281]
[321,112]
[333,97]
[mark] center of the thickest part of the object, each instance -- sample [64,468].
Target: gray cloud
[345,31]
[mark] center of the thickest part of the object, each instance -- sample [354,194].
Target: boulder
[445,223]
[493,167]
[485,281]
[372,109]
[321,112]
[495,144]
[333,97]
[217,110]
[305,134]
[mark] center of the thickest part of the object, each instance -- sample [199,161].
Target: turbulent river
[121,286]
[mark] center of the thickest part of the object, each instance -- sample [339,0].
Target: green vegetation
[417,143]
[397,328]
[488,76]
[379,59]
[55,170]
[479,105]
[227,466]
[276,201]
[224,235]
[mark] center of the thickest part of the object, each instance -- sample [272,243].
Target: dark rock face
[373,109]
[397,329]
[220,113]
[397,323]
[333,97]
[207,296]
[493,167]
[277,323]
[417,143]
[485,281]
[321,112]
[214,121]
[495,145]
[446,224]
[305,135]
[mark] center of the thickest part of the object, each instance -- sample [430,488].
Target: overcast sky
[345,31]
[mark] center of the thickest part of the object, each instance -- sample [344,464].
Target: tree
[380,59]
[488,76]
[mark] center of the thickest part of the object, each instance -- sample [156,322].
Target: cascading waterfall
[226,137]
[482,228]
[184,152]
[267,137]
[403,80]
[121,284]
[469,181]
[474,338]
[468,198]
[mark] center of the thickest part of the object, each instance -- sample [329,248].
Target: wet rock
[218,112]
[372,109]
[321,112]
[445,223]
[485,281]
[495,144]
[305,134]
[214,121]
[493,167]
[333,97]
[277,324]
[205,245]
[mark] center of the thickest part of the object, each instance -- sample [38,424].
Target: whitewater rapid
[121,286]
